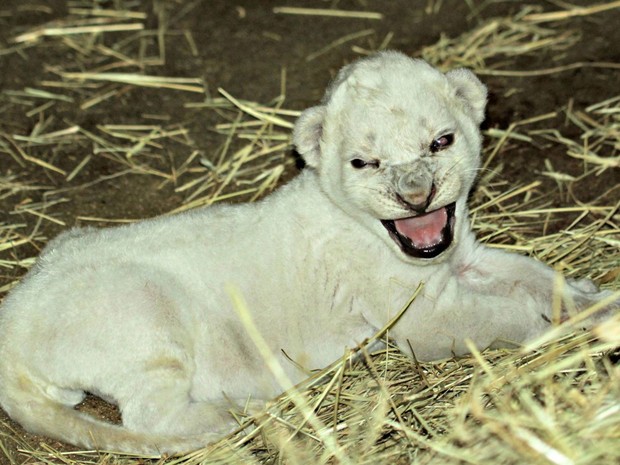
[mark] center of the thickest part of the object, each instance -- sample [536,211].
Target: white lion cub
[140,316]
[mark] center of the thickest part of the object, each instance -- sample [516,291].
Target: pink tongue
[424,231]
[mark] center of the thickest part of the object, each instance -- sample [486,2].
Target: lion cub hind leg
[161,404]
[160,418]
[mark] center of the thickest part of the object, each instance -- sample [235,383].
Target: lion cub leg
[529,290]
[147,366]
[494,298]
[160,403]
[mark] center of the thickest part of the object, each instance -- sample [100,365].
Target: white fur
[140,315]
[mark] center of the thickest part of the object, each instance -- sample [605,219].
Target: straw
[327,12]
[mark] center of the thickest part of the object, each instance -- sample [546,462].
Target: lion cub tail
[27,403]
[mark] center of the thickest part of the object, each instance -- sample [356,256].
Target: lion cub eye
[359,163]
[442,142]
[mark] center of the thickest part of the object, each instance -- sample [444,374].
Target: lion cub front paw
[584,285]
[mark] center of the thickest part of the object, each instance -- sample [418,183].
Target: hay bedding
[556,401]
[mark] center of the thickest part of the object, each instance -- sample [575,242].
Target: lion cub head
[397,146]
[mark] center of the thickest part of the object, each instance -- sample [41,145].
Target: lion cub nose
[419,199]
[416,187]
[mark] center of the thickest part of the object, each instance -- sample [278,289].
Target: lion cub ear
[471,92]
[307,134]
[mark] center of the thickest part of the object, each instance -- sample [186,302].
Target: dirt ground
[242,46]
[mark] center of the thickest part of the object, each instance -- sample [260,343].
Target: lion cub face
[396,144]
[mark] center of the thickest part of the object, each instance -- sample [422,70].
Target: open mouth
[424,236]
